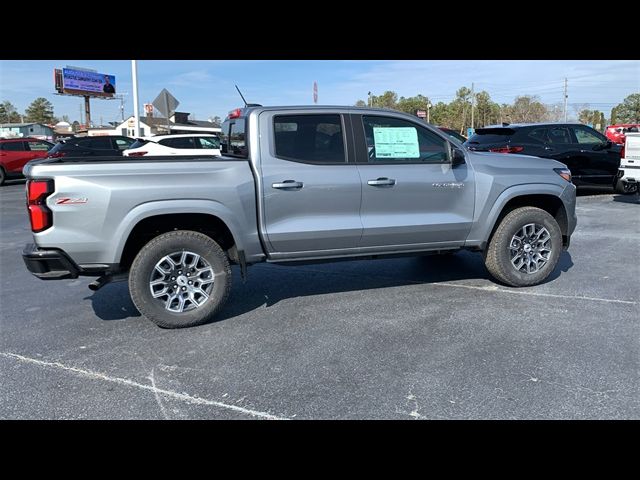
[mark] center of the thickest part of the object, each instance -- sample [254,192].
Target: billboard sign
[93,84]
[421,113]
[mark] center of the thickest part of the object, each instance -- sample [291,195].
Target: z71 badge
[71,201]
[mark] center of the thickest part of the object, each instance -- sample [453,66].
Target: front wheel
[180,279]
[525,247]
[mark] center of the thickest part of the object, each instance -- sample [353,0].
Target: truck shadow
[268,284]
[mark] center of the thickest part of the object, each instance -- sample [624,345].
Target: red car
[615,133]
[16,152]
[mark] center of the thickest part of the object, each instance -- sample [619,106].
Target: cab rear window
[234,140]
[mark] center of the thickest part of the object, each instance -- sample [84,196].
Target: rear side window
[559,135]
[484,136]
[180,142]
[12,146]
[100,143]
[309,138]
[208,143]
[538,135]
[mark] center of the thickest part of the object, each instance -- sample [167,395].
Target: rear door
[14,155]
[310,191]
[412,197]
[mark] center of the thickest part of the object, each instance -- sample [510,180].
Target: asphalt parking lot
[408,338]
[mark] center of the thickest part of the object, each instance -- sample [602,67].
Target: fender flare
[167,207]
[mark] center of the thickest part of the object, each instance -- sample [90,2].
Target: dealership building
[178,123]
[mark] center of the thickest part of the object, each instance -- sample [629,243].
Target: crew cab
[292,184]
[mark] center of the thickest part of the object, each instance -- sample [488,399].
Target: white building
[178,123]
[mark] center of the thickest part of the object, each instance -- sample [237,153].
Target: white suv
[186,144]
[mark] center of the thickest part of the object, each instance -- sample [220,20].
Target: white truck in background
[629,172]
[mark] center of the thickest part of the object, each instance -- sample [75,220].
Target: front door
[599,163]
[310,192]
[411,195]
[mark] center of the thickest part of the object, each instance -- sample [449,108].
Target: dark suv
[111,145]
[591,157]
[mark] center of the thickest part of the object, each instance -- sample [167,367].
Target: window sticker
[396,142]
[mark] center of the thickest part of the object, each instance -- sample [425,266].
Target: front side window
[396,140]
[585,136]
[309,138]
[208,143]
[123,144]
[39,146]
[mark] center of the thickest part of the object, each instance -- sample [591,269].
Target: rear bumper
[49,264]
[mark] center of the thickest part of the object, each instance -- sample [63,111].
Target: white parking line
[491,288]
[123,381]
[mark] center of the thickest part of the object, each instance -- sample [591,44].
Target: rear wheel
[180,279]
[3,176]
[525,247]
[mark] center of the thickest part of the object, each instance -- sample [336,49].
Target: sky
[206,88]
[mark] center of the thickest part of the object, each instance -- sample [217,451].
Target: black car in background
[102,146]
[591,157]
[453,134]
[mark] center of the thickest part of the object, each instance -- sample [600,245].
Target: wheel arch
[150,220]
[544,196]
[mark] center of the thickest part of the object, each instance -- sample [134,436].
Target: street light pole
[428,111]
[369,99]
[136,115]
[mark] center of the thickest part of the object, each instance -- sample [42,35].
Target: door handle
[288,184]
[549,149]
[382,182]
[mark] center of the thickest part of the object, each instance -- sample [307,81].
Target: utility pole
[136,116]
[565,100]
[369,99]
[428,109]
[473,102]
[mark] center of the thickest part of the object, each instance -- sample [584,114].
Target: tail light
[235,113]
[39,215]
[507,149]
[137,154]
[56,155]
[622,152]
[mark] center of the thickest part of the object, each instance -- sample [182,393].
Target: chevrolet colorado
[293,184]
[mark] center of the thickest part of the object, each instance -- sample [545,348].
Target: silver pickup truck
[292,184]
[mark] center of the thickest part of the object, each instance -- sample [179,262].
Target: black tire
[620,188]
[163,245]
[3,176]
[498,254]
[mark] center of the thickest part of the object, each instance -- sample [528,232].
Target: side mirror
[457,156]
